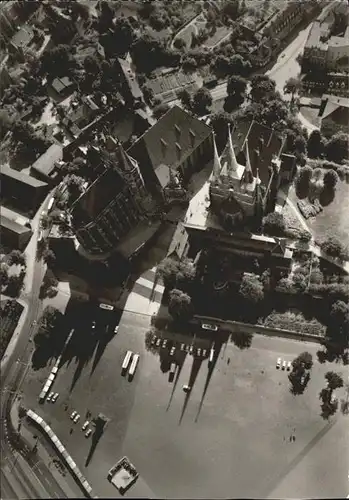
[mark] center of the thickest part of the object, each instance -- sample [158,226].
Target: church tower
[130,170]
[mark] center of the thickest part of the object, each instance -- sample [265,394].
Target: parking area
[229,436]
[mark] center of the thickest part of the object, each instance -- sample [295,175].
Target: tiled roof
[23,37]
[259,138]
[98,195]
[60,84]
[45,164]
[26,179]
[172,139]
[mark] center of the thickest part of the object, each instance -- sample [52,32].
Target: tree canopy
[316,144]
[274,224]
[180,305]
[337,148]
[251,288]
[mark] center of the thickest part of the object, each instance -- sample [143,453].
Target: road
[12,376]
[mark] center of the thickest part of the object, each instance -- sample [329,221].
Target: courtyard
[229,437]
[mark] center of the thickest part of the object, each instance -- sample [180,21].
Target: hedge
[294,322]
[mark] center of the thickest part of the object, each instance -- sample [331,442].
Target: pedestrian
[228,362]
[71,431]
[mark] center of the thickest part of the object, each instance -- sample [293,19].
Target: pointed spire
[232,163]
[258,180]
[248,175]
[128,163]
[217,167]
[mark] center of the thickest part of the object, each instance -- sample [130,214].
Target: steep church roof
[248,174]
[217,167]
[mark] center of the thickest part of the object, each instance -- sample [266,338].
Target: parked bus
[133,366]
[126,361]
[50,203]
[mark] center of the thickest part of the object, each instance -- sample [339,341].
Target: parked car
[173,349]
[73,415]
[158,342]
[164,344]
[182,347]
[88,433]
[289,366]
[93,326]
[153,340]
[50,396]
[186,388]
[55,397]
[76,419]
[198,352]
[191,349]
[207,326]
[278,363]
[116,329]
[204,353]
[284,364]
[86,424]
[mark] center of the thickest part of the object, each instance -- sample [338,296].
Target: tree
[49,258]
[303,360]
[91,65]
[57,61]
[303,181]
[16,258]
[4,276]
[168,270]
[251,288]
[80,10]
[75,186]
[236,90]
[180,305]
[202,100]
[185,98]
[330,179]
[329,404]
[220,122]
[50,317]
[239,66]
[316,144]
[15,285]
[179,43]
[231,9]
[261,87]
[274,224]
[5,122]
[160,110]
[337,148]
[292,86]
[332,247]
[334,380]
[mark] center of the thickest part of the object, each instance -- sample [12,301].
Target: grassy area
[294,322]
[221,32]
[333,220]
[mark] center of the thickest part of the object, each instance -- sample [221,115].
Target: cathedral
[238,196]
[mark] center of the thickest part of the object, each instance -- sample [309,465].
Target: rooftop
[24,178]
[45,164]
[178,242]
[60,84]
[13,226]
[171,139]
[131,79]
[333,103]
[317,31]
[137,237]
[23,37]
[260,138]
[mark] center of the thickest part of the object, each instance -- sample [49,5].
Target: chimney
[178,150]
[177,132]
[192,137]
[163,146]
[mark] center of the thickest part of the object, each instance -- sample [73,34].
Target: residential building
[21,190]
[323,49]
[81,115]
[285,21]
[112,207]
[13,234]
[178,141]
[334,114]
[47,166]
[63,86]
[130,90]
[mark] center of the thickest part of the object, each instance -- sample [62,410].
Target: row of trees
[199,102]
[335,149]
